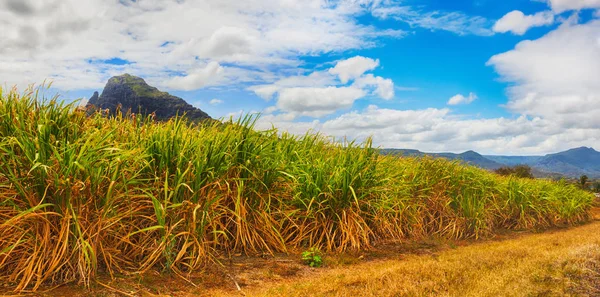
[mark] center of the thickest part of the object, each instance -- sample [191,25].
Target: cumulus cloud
[438,130]
[384,87]
[317,102]
[197,78]
[564,5]
[556,76]
[518,23]
[215,101]
[314,79]
[460,99]
[227,41]
[70,41]
[322,93]
[265,91]
[20,7]
[353,68]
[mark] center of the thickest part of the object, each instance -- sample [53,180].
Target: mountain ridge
[570,163]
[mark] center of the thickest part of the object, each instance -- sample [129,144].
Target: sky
[510,77]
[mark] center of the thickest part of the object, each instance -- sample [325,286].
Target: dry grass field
[559,263]
[86,200]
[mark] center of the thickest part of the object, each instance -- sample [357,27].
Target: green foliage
[596,187]
[523,171]
[312,257]
[583,181]
[139,87]
[125,194]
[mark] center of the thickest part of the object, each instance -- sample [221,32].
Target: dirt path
[563,262]
[557,263]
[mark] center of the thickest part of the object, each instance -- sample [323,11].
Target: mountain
[133,93]
[473,158]
[469,157]
[571,163]
[403,152]
[514,160]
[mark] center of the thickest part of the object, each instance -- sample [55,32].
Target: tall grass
[80,194]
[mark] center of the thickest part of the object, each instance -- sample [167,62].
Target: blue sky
[499,77]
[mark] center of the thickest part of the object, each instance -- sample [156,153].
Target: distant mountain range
[571,163]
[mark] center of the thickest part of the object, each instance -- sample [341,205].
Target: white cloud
[384,87]
[353,68]
[565,5]
[19,7]
[314,79]
[437,130]
[70,41]
[215,101]
[265,91]
[270,110]
[401,121]
[460,99]
[317,102]
[518,23]
[322,93]
[556,76]
[431,130]
[454,21]
[197,78]
[228,41]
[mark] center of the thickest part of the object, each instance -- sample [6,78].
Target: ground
[560,262]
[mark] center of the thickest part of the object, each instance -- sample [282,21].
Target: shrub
[312,257]
[523,171]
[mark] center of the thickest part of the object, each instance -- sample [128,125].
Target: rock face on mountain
[94,97]
[133,93]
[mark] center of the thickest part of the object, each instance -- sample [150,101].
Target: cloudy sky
[499,77]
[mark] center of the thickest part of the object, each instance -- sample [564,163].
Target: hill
[133,93]
[514,160]
[473,158]
[571,163]
[469,157]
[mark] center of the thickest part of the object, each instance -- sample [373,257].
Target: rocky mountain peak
[133,93]
[94,98]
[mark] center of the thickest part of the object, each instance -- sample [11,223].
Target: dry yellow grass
[560,263]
